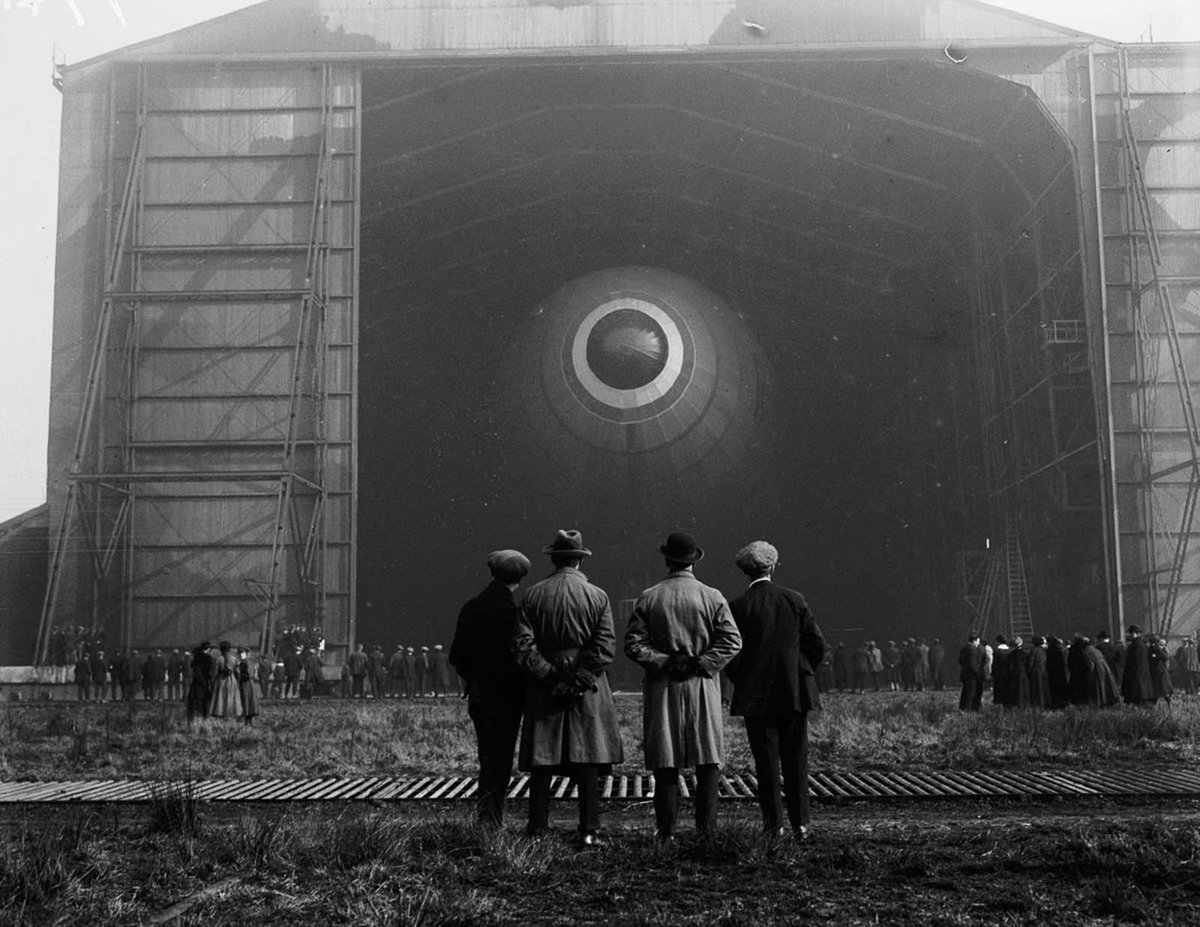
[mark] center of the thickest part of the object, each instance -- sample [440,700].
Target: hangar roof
[389,28]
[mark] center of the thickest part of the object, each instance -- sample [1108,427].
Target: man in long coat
[971,673]
[1137,687]
[564,639]
[773,685]
[682,634]
[495,684]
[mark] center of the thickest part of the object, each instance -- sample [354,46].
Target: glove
[680,666]
[563,694]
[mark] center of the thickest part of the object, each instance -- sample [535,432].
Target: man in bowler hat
[495,684]
[564,640]
[774,687]
[682,634]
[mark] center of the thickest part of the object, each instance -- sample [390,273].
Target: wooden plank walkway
[863,785]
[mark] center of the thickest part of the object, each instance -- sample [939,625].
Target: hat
[1133,629]
[569,543]
[681,548]
[437,646]
[511,564]
[756,556]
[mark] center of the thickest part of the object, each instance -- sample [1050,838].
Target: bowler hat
[568,543]
[681,548]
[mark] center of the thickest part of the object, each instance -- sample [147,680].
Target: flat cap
[508,563]
[757,555]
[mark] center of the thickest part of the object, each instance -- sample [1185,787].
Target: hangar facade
[319,333]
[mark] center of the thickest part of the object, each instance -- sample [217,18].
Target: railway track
[824,787]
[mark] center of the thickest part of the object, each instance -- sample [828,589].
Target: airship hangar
[350,293]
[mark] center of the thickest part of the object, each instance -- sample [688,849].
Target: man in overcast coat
[681,633]
[564,639]
[774,687]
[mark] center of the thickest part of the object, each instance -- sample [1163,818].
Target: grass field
[339,737]
[183,862]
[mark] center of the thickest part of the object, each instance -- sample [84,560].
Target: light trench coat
[682,721]
[565,633]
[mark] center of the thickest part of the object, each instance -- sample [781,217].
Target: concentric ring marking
[642,395]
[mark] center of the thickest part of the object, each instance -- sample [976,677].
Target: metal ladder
[1020,618]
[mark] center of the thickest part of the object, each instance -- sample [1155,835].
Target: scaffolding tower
[254,448]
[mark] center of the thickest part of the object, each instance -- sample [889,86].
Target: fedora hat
[681,548]
[569,543]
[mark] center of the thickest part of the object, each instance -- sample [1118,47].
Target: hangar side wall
[1152,455]
[216,484]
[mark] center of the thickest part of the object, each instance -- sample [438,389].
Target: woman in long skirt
[246,683]
[226,699]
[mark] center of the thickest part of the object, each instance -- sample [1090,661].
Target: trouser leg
[539,800]
[793,750]
[586,777]
[706,798]
[496,730]
[763,737]
[666,799]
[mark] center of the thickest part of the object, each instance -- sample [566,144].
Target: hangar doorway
[892,248]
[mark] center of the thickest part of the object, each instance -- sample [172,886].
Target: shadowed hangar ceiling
[833,210]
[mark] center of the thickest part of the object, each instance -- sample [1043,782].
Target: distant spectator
[293,666]
[396,674]
[1039,677]
[439,671]
[99,675]
[1160,668]
[226,701]
[246,686]
[358,663]
[174,675]
[937,665]
[1187,664]
[376,670]
[200,690]
[970,674]
[314,672]
[1137,686]
[83,677]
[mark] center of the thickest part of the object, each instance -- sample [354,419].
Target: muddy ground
[1062,863]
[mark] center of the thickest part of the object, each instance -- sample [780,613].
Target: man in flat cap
[564,639]
[481,654]
[774,687]
[682,634]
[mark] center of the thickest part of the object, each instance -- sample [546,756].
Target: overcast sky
[34,32]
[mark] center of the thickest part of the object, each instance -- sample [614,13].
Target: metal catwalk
[826,787]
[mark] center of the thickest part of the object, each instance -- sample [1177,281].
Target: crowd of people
[298,672]
[1048,673]
[913,666]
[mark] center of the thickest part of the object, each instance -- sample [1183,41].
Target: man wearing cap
[564,639]
[480,652]
[682,634]
[774,687]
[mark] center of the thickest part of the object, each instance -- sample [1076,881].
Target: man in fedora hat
[495,684]
[564,639]
[682,634]
[774,687]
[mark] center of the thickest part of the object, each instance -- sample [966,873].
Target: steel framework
[113,482]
